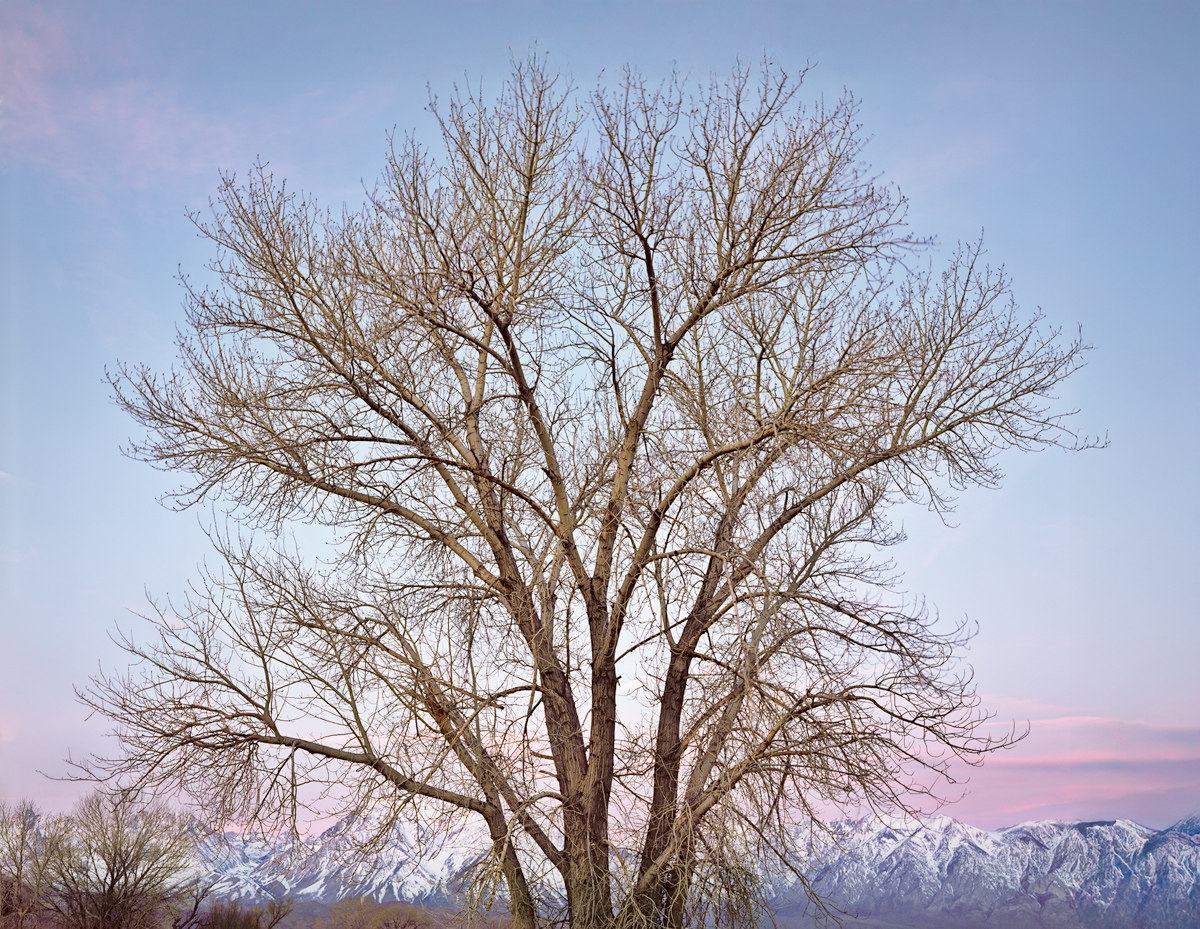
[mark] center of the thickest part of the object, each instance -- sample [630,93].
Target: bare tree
[366,913]
[30,845]
[604,410]
[231,914]
[123,866]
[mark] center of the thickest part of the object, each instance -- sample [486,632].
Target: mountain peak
[1189,826]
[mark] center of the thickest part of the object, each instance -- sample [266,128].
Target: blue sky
[1068,132]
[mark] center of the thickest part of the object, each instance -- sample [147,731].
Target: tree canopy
[605,404]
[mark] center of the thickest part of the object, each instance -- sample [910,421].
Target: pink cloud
[32,44]
[958,144]
[51,118]
[93,119]
[1086,767]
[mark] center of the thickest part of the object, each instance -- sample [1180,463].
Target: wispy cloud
[82,131]
[1089,767]
[960,143]
[116,127]
[32,43]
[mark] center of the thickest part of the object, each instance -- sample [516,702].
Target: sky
[1067,132]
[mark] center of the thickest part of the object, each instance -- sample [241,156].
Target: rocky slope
[942,873]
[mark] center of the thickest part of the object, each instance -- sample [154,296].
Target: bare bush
[123,865]
[232,914]
[366,913]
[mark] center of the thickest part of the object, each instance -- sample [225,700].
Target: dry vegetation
[364,913]
[114,865]
[110,864]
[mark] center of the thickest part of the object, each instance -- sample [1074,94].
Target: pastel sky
[1069,132]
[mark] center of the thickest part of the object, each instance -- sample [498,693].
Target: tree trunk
[524,915]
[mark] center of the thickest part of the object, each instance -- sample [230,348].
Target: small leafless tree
[123,866]
[231,914]
[366,913]
[30,844]
[605,410]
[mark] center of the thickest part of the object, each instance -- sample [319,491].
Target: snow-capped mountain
[1036,875]
[413,865]
[940,873]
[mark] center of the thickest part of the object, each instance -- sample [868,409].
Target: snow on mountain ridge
[412,865]
[1109,875]
[940,873]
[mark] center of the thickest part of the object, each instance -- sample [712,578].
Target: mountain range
[1036,875]
[937,874]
